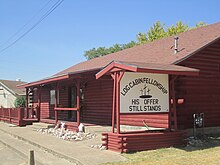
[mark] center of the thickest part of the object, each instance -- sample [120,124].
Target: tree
[129,45]
[115,48]
[155,32]
[158,31]
[20,101]
[95,52]
[179,28]
[142,38]
[200,24]
[101,51]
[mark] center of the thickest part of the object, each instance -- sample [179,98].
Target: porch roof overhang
[55,78]
[171,69]
[44,81]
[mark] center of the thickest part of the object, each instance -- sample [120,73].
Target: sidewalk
[76,152]
[10,157]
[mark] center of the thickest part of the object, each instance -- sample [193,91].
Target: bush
[20,102]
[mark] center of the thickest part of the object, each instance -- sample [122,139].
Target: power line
[28,22]
[58,3]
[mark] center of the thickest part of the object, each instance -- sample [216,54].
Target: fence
[12,115]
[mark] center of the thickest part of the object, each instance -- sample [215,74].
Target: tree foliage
[101,51]
[156,31]
[142,38]
[20,101]
[200,24]
[179,28]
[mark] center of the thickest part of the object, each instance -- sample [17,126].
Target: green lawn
[207,153]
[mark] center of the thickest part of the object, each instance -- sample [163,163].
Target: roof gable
[147,68]
[160,51]
[12,86]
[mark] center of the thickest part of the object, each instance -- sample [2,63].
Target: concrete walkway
[73,152]
[10,157]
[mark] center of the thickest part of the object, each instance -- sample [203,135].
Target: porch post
[55,111]
[170,104]
[39,102]
[27,98]
[20,115]
[119,75]
[113,101]
[78,100]
[173,116]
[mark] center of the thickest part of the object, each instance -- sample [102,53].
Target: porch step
[39,125]
[50,121]
[29,121]
[97,129]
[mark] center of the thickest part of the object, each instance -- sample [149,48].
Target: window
[72,97]
[52,97]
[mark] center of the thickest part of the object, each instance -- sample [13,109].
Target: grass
[207,153]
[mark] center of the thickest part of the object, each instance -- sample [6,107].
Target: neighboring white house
[9,92]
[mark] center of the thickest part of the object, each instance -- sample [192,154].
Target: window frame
[53,96]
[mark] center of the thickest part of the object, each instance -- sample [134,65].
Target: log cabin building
[159,85]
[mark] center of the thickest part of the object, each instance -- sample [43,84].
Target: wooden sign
[144,93]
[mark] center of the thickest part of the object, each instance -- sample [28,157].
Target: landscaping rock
[103,148]
[100,147]
[195,142]
[66,134]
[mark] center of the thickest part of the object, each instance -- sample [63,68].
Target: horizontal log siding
[202,93]
[46,110]
[151,119]
[97,106]
[131,142]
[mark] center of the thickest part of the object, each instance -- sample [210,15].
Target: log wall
[46,110]
[159,120]
[201,94]
[140,141]
[97,105]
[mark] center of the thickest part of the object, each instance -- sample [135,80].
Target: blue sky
[75,26]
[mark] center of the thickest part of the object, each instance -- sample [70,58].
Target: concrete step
[98,129]
[39,125]
[29,121]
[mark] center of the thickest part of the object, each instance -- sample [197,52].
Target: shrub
[20,101]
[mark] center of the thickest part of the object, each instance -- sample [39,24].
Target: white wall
[7,99]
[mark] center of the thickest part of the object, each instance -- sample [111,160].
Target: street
[10,157]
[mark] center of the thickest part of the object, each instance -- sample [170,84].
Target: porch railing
[12,115]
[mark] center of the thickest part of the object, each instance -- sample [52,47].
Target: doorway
[72,103]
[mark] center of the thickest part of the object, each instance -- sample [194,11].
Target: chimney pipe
[18,79]
[176,44]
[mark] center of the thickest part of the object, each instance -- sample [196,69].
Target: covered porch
[69,98]
[137,140]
